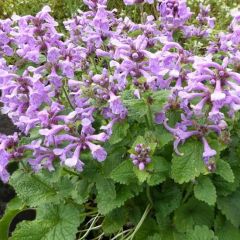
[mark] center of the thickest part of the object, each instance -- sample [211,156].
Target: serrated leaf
[31,189]
[123,193]
[82,190]
[190,165]
[167,201]
[159,170]
[142,175]
[106,188]
[228,231]
[223,187]
[123,173]
[230,207]
[120,130]
[136,108]
[192,213]
[53,222]
[205,190]
[114,221]
[201,233]
[224,170]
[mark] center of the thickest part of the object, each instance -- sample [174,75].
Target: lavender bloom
[208,152]
[174,13]
[131,2]
[141,158]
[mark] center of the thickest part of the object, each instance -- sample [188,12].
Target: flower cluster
[141,158]
[69,88]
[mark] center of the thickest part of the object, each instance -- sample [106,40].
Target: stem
[90,228]
[150,118]
[141,12]
[121,233]
[71,172]
[147,210]
[66,95]
[94,64]
[188,193]
[155,13]
[148,192]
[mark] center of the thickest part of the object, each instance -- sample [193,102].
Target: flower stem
[146,212]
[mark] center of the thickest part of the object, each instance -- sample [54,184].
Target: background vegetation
[63,9]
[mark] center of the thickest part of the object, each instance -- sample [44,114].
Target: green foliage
[190,165]
[204,190]
[14,207]
[53,222]
[230,207]
[193,213]
[201,233]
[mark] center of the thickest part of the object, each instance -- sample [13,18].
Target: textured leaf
[123,173]
[123,193]
[114,221]
[230,207]
[192,213]
[225,171]
[43,187]
[120,130]
[136,108]
[32,189]
[228,231]
[190,165]
[204,190]
[82,191]
[159,170]
[54,222]
[223,187]
[169,199]
[201,233]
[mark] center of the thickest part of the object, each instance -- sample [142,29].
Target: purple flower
[141,157]
[97,151]
[208,151]
[4,160]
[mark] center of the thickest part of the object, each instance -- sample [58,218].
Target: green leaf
[192,213]
[201,233]
[230,207]
[114,221]
[228,231]
[142,175]
[82,190]
[32,189]
[158,170]
[223,187]
[163,137]
[123,173]
[53,222]
[159,99]
[224,170]
[120,130]
[168,200]
[106,188]
[155,237]
[190,165]
[136,108]
[204,190]
[14,207]
[123,193]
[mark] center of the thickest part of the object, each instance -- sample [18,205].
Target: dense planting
[125,130]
